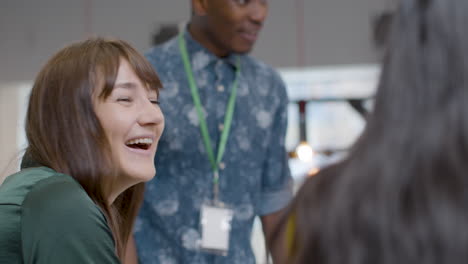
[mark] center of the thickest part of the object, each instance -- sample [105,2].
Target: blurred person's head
[225,26]
[381,28]
[91,115]
[401,194]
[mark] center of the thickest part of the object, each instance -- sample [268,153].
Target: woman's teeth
[145,141]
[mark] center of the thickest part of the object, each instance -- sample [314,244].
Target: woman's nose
[151,114]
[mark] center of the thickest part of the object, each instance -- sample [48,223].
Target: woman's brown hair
[64,132]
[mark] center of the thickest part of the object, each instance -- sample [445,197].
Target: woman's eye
[124,99]
[241,2]
[155,101]
[246,2]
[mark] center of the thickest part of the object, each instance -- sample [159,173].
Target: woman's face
[133,123]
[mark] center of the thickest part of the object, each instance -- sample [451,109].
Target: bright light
[313,171]
[304,152]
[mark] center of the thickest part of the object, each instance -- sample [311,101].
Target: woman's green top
[47,217]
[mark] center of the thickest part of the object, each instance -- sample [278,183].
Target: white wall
[335,31]
[8,120]
[13,98]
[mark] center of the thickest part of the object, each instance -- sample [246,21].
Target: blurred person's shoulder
[256,67]
[161,54]
[264,77]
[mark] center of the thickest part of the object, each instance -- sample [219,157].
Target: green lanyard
[203,127]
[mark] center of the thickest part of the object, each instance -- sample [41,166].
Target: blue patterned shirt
[254,173]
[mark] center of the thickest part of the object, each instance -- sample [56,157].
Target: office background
[316,45]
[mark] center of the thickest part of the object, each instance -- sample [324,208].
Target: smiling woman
[93,125]
[133,122]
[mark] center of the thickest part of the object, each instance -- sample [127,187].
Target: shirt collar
[194,46]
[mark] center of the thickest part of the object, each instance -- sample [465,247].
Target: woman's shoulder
[18,186]
[58,198]
[58,212]
[48,198]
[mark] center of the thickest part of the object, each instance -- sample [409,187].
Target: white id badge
[215,228]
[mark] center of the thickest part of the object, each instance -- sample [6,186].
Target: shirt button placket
[222,165]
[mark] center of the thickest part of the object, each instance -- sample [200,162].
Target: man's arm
[131,256]
[270,224]
[277,182]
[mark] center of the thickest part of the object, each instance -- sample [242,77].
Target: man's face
[234,25]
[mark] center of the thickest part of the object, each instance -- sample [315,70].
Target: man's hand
[269,224]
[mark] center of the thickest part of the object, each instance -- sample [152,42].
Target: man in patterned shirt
[254,177]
